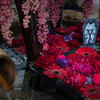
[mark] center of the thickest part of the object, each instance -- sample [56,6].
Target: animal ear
[8,73]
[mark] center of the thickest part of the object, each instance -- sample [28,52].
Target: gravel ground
[28,94]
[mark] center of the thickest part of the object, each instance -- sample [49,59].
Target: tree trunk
[30,34]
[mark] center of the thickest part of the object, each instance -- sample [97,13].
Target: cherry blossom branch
[54,9]
[38,6]
[6,18]
[88,7]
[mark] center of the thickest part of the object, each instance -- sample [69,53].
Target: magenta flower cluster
[54,9]
[6,18]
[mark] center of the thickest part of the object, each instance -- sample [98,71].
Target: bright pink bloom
[81,66]
[60,56]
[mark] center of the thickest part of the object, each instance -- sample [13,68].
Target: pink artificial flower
[81,67]
[60,56]
[45,46]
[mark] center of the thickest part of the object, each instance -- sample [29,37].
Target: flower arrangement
[80,70]
[75,70]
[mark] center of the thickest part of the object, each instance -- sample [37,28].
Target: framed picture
[90,29]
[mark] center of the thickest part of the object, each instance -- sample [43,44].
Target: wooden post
[30,34]
[1,37]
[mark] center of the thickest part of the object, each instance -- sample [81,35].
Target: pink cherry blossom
[88,7]
[6,18]
[54,9]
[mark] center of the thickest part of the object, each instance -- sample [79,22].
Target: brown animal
[8,74]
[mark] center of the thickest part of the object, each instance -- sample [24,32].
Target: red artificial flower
[79,25]
[62,30]
[57,36]
[50,39]
[52,51]
[86,51]
[73,29]
[73,57]
[96,79]
[78,80]
[54,38]
[73,44]
[97,67]
[79,58]
[18,42]
[62,45]
[97,57]
[21,49]
[75,79]
[55,71]
[90,91]
[78,36]
[44,61]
